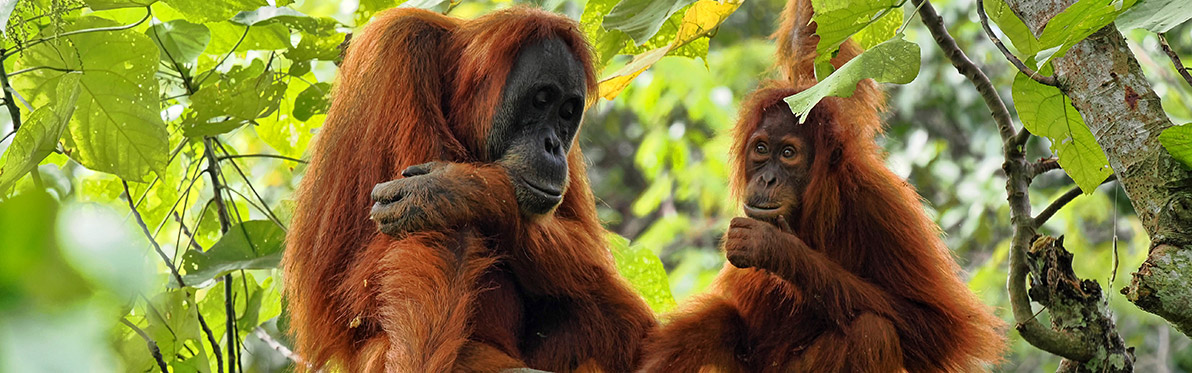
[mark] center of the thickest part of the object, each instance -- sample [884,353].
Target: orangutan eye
[761,148]
[788,152]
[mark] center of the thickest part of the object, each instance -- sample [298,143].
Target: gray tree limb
[1108,87]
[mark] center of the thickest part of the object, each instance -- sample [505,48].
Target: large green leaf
[894,61]
[644,272]
[181,42]
[254,244]
[1158,16]
[880,30]
[243,94]
[1177,140]
[117,126]
[39,134]
[641,19]
[204,11]
[1075,24]
[1020,36]
[837,20]
[1045,111]
[312,100]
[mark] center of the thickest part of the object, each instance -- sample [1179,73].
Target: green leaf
[605,43]
[241,95]
[1045,111]
[1020,36]
[1177,140]
[313,100]
[181,42]
[644,272]
[894,61]
[39,134]
[1076,23]
[254,244]
[116,4]
[204,11]
[172,323]
[837,20]
[225,35]
[117,127]
[1158,16]
[881,30]
[641,19]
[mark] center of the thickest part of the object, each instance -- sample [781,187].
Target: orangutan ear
[837,156]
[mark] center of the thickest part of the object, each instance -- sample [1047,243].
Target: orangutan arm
[841,294]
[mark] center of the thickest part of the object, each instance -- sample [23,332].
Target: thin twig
[173,270]
[1175,59]
[234,156]
[225,57]
[1042,79]
[136,214]
[156,352]
[8,54]
[224,225]
[1062,201]
[14,112]
[1017,183]
[211,339]
[264,205]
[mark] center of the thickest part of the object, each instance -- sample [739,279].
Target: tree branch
[1175,59]
[1043,166]
[153,349]
[1042,79]
[1017,171]
[1062,201]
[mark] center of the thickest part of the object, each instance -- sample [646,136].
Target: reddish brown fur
[863,283]
[365,301]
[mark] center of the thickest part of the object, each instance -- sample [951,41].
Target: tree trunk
[1107,86]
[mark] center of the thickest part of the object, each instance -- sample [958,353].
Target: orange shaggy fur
[864,283]
[414,87]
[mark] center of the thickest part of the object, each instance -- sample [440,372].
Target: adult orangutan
[835,267]
[491,256]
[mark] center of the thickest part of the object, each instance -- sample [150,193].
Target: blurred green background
[73,262]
